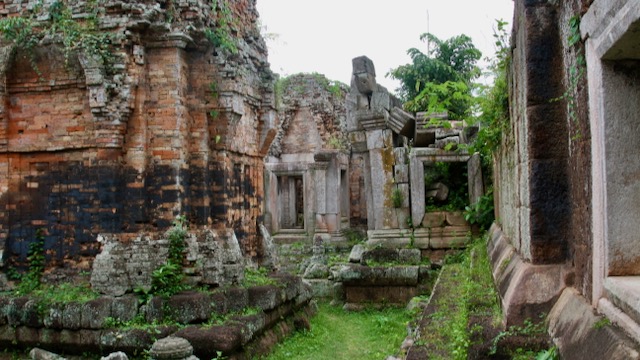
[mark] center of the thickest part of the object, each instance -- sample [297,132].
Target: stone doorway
[291,200]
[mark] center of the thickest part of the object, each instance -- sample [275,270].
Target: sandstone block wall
[175,125]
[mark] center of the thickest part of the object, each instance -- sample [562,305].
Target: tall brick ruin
[174,126]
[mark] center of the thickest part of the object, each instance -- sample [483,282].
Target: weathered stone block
[456,218]
[207,341]
[356,253]
[237,299]
[264,297]
[434,219]
[380,255]
[40,354]
[322,288]
[14,311]
[572,324]
[72,316]
[409,256]
[363,64]
[379,294]
[95,311]
[154,309]
[171,348]
[401,174]
[27,336]
[53,317]
[124,308]
[31,315]
[338,292]
[190,308]
[316,271]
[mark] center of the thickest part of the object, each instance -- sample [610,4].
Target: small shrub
[30,281]
[481,212]
[397,198]
[355,236]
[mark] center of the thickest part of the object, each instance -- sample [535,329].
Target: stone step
[289,237]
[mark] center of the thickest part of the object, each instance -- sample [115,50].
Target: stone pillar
[381,161]
[416,177]
[333,196]
[367,116]
[320,176]
[474,174]
[167,127]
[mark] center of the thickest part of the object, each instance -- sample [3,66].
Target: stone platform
[211,322]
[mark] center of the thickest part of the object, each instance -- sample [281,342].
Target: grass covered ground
[337,334]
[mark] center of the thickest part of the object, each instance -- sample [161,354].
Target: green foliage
[455,177]
[528,329]
[397,198]
[337,143]
[166,280]
[354,236]
[219,319]
[367,335]
[481,212]
[64,293]
[604,322]
[550,354]
[257,277]
[441,79]
[493,101]
[451,96]
[574,30]
[30,281]
[576,72]
[75,36]
[220,34]
[336,88]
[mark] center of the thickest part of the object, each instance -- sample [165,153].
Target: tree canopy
[442,78]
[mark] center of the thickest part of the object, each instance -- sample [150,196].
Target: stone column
[416,178]
[474,174]
[381,161]
[368,111]
[333,195]
[320,176]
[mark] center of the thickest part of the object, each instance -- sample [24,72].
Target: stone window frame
[296,171]
[608,28]
[418,158]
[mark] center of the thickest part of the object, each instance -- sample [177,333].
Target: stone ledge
[527,291]
[624,293]
[575,329]
[75,328]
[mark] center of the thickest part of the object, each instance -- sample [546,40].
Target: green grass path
[336,334]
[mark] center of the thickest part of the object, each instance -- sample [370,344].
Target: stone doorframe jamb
[418,157]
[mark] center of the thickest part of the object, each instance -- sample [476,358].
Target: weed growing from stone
[35,258]
[220,319]
[257,277]
[604,322]
[220,34]
[166,280]
[27,32]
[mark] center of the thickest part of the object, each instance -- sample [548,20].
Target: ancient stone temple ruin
[565,247]
[390,151]
[154,117]
[90,147]
[306,170]
[112,131]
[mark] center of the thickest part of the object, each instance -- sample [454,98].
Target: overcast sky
[323,36]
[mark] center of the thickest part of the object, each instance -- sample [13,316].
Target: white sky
[323,36]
